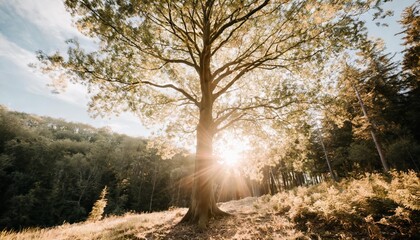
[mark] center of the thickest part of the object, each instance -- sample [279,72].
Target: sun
[231,151]
[230,158]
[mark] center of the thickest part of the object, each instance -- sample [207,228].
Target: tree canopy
[154,56]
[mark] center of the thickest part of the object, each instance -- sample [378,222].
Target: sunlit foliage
[371,205]
[99,207]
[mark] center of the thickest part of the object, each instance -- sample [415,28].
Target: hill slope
[372,206]
[246,222]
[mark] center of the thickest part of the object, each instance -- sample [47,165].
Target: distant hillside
[52,171]
[370,207]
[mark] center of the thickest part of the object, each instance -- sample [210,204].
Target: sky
[27,26]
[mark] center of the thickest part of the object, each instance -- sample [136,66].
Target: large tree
[202,66]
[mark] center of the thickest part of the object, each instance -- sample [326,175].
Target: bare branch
[187,95]
[237,20]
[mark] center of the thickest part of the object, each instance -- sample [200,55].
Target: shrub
[372,205]
[405,189]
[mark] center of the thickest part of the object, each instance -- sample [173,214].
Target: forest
[329,124]
[53,171]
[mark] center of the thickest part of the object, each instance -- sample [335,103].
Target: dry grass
[247,222]
[129,226]
[371,207]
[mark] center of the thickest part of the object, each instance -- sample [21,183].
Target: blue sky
[30,25]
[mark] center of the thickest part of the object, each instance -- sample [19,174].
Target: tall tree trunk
[203,203]
[153,188]
[326,157]
[372,130]
[178,194]
[285,183]
[272,182]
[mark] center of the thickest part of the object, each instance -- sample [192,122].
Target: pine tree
[411,67]
[411,25]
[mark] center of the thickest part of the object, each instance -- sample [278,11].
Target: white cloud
[36,82]
[75,94]
[54,22]
[126,123]
[19,56]
[49,15]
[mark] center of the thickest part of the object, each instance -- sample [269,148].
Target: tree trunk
[326,157]
[274,186]
[153,188]
[285,183]
[203,203]
[372,130]
[178,194]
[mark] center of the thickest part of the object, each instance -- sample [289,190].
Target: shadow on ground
[220,229]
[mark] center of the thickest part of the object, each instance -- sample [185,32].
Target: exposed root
[202,220]
[218,214]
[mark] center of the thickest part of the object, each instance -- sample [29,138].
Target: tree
[372,130]
[326,156]
[411,25]
[411,66]
[53,171]
[218,63]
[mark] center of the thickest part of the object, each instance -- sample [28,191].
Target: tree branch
[187,95]
[237,20]
[230,123]
[132,43]
[250,67]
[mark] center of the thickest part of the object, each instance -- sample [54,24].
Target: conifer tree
[411,66]
[99,207]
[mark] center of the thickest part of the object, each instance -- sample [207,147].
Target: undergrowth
[372,206]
